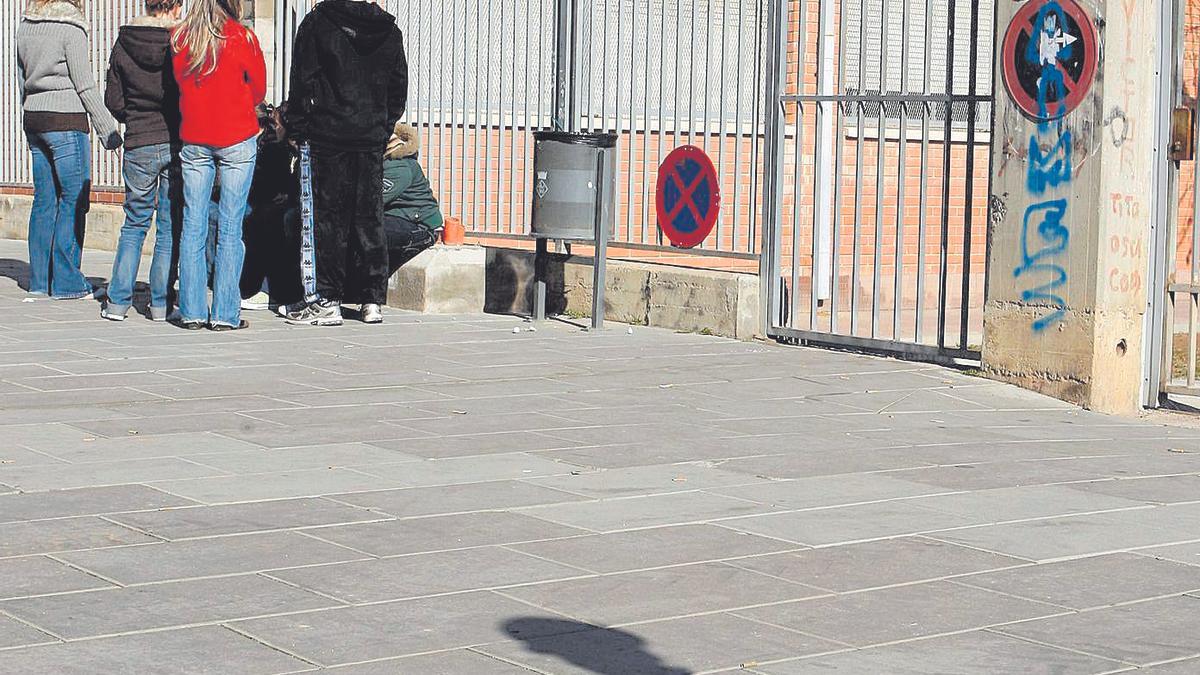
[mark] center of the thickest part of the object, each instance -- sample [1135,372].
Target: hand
[112,141]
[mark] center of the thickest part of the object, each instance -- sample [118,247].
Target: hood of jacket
[405,142]
[147,40]
[365,24]
[59,12]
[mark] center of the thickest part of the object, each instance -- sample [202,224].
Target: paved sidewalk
[443,495]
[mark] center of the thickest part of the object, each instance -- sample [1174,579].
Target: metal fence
[105,19]
[879,167]
[483,76]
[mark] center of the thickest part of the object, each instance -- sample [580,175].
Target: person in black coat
[349,86]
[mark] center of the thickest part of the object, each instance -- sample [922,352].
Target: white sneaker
[371,313]
[259,301]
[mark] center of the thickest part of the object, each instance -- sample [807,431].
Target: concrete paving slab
[1143,633]
[1023,503]
[392,629]
[208,557]
[654,479]
[475,469]
[1002,474]
[900,613]
[278,485]
[1184,553]
[1157,490]
[825,491]
[13,633]
[181,603]
[64,534]
[609,515]
[46,476]
[174,424]
[456,662]
[209,521]
[1088,583]
[676,647]
[446,499]
[656,547]
[638,596]
[442,533]
[975,653]
[17,456]
[187,651]
[23,577]
[148,447]
[875,564]
[847,524]
[447,447]
[300,459]
[425,574]
[84,501]
[1071,536]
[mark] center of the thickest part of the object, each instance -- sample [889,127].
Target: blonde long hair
[201,33]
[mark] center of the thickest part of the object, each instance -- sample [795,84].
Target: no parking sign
[688,196]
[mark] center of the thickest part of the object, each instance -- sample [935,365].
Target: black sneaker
[319,313]
[222,327]
[188,325]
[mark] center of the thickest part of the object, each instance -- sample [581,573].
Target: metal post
[1159,326]
[600,258]
[564,66]
[769,257]
[539,280]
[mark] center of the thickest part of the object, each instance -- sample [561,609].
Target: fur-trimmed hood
[57,12]
[405,142]
[148,21]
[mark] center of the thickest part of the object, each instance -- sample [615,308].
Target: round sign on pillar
[688,196]
[1049,54]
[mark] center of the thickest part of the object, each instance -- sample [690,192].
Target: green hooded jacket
[407,195]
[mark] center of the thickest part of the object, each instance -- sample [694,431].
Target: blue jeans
[201,164]
[61,180]
[152,185]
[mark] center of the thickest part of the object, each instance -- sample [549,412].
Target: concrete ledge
[679,298]
[441,280]
[103,222]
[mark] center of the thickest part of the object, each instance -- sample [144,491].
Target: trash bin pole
[600,257]
[539,280]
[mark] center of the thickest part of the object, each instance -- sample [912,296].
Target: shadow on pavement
[608,651]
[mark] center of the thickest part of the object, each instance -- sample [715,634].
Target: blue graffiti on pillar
[1044,231]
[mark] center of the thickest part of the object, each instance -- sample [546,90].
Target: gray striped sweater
[56,76]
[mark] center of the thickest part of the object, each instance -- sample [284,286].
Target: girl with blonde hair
[221,75]
[59,101]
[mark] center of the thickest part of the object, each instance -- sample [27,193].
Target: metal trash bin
[574,185]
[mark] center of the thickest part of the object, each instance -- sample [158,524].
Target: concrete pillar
[1072,158]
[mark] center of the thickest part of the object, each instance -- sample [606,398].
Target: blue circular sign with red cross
[688,196]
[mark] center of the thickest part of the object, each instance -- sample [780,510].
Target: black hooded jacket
[141,89]
[349,80]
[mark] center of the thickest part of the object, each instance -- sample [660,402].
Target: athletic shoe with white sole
[112,314]
[371,313]
[259,301]
[319,313]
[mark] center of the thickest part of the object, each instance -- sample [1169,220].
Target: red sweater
[217,109]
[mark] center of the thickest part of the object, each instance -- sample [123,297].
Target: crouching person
[411,217]
[141,92]
[271,271]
